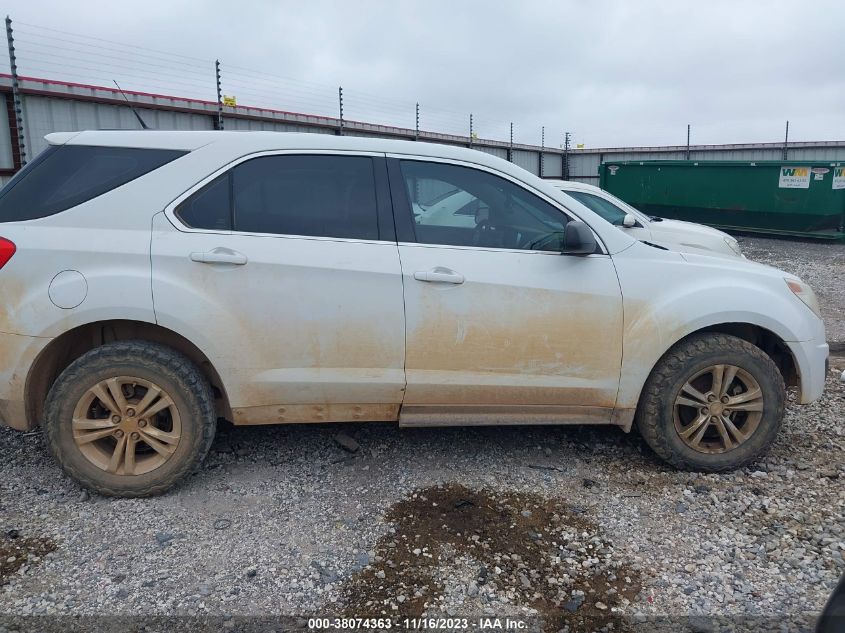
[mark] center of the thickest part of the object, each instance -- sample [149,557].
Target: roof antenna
[144,126]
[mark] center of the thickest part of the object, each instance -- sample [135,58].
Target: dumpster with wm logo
[790,198]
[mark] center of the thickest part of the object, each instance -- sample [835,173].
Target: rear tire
[713,403]
[130,419]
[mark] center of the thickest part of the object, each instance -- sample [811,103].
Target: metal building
[57,106]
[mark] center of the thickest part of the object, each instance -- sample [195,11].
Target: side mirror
[629,221]
[578,239]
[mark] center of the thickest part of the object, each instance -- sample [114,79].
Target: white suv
[153,282]
[674,234]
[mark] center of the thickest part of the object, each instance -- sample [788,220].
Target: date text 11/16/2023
[419,624]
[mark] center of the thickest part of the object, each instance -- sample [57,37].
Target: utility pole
[417,126]
[340,109]
[786,142]
[16,94]
[564,167]
[470,129]
[688,132]
[542,147]
[219,95]
[510,145]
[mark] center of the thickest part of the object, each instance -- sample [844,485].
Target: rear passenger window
[209,208]
[324,196]
[67,175]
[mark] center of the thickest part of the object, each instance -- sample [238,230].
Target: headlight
[805,293]
[734,246]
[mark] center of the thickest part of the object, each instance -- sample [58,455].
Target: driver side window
[460,206]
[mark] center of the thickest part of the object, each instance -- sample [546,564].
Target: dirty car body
[299,278]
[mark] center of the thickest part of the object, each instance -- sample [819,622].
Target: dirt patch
[536,551]
[17,551]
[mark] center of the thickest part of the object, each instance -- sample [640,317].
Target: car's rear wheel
[130,419]
[713,403]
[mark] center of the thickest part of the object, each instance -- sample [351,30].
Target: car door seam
[402,280]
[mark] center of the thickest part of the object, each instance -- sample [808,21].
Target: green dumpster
[804,198]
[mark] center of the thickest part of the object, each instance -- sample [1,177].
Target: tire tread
[678,357]
[179,368]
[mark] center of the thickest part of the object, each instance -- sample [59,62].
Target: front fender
[666,298]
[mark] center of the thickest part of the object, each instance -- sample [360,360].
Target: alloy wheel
[126,426]
[718,409]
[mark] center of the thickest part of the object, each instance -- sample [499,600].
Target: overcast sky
[614,73]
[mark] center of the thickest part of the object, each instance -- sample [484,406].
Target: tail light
[7,249]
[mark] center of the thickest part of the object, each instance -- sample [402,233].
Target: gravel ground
[568,528]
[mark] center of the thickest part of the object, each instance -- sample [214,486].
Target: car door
[498,321]
[284,270]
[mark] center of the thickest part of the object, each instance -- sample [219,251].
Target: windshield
[613,212]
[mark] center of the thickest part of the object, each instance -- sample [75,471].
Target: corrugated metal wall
[551,165]
[60,107]
[43,115]
[527,160]
[254,125]
[501,152]
[6,161]
[584,168]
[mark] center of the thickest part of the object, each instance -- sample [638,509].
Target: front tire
[713,403]
[130,419]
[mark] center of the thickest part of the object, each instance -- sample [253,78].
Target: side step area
[471,415]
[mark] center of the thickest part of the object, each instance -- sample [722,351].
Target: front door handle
[219,256]
[440,275]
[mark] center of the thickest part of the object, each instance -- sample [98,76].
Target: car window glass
[460,206]
[209,207]
[605,208]
[68,175]
[325,196]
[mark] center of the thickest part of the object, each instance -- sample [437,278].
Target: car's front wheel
[714,402]
[130,419]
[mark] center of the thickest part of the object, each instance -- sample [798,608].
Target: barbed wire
[49,53]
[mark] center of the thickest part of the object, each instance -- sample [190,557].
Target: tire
[665,415]
[135,453]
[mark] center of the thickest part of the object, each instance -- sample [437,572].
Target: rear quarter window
[65,176]
[210,207]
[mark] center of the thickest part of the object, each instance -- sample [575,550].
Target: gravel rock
[363,560]
[347,443]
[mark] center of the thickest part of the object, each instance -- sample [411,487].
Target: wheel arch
[721,442]
[70,345]
[636,373]
[769,342]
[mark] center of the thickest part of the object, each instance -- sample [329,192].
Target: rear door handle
[219,256]
[439,275]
